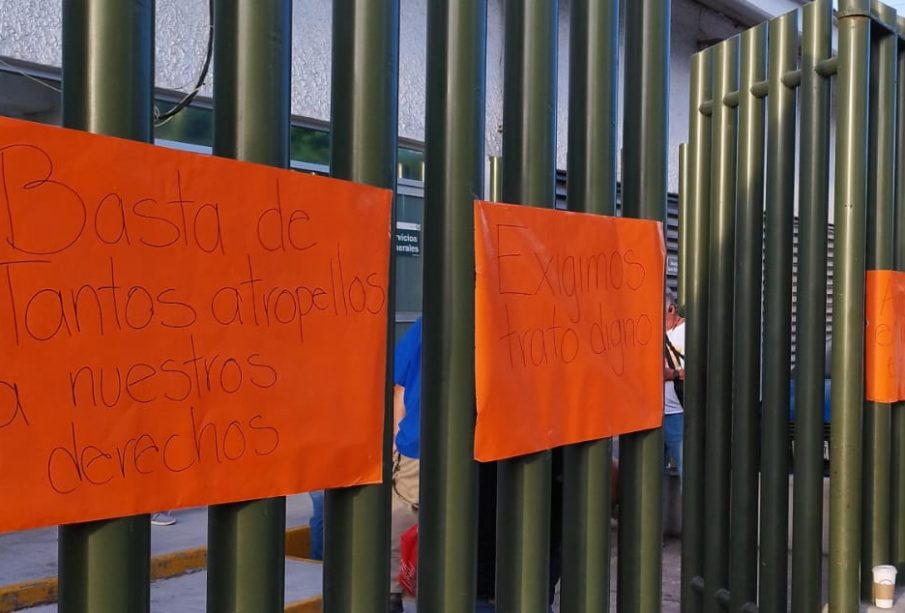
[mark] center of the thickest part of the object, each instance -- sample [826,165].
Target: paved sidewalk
[187,594]
[32,554]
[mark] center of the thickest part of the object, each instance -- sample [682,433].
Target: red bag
[408,563]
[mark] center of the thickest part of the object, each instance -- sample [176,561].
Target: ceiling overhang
[744,12]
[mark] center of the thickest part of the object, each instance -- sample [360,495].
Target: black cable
[162,118]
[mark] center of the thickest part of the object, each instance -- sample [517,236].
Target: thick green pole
[108,88]
[810,358]
[495,179]
[897,546]
[683,228]
[529,177]
[252,42]
[593,99]
[363,149]
[644,192]
[774,514]
[876,500]
[848,303]
[746,361]
[454,163]
[698,238]
[720,323]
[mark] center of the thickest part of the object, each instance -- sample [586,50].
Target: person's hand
[681,373]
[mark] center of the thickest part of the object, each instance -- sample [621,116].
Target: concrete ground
[32,555]
[672,560]
[187,593]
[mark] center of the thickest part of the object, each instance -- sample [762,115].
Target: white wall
[31,30]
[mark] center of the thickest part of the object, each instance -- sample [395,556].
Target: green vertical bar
[252,43]
[876,500]
[720,323]
[587,474]
[810,356]
[454,162]
[777,343]
[108,67]
[495,180]
[683,227]
[848,303]
[593,102]
[108,85]
[897,546]
[529,177]
[746,360]
[644,193]
[698,225]
[363,149]
[593,99]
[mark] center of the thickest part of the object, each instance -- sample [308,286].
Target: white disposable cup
[884,585]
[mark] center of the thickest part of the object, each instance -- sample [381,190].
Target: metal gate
[108,78]
[751,98]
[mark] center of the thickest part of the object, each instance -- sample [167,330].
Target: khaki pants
[404,510]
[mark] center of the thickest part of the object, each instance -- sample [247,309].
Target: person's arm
[398,410]
[670,374]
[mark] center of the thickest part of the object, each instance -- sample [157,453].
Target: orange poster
[569,339]
[180,329]
[884,336]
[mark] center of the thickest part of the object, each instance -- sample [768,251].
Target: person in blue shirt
[406,444]
[407,392]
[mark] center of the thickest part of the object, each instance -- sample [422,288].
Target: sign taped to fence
[569,338]
[884,336]
[180,329]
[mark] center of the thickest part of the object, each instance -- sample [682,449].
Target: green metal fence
[758,102]
[108,88]
[751,98]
